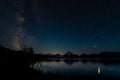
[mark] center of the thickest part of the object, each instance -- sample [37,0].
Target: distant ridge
[6,51]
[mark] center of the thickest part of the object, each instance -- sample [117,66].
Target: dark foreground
[17,66]
[19,69]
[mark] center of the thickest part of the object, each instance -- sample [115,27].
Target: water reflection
[98,70]
[79,68]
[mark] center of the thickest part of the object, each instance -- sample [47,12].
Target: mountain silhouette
[17,63]
[70,55]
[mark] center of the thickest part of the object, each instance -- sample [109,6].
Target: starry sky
[58,26]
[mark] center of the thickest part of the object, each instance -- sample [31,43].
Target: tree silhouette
[25,49]
[31,50]
[28,49]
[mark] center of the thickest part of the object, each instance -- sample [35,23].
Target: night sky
[58,26]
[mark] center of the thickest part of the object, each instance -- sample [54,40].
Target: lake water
[90,69]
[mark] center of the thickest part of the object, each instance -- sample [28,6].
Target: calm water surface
[79,68]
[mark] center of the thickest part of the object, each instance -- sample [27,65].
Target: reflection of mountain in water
[70,62]
[97,60]
[17,63]
[69,57]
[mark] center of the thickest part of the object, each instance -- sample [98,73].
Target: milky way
[58,26]
[19,32]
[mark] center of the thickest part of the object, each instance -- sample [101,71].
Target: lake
[96,69]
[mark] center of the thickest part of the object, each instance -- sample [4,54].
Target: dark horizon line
[30,53]
[63,53]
